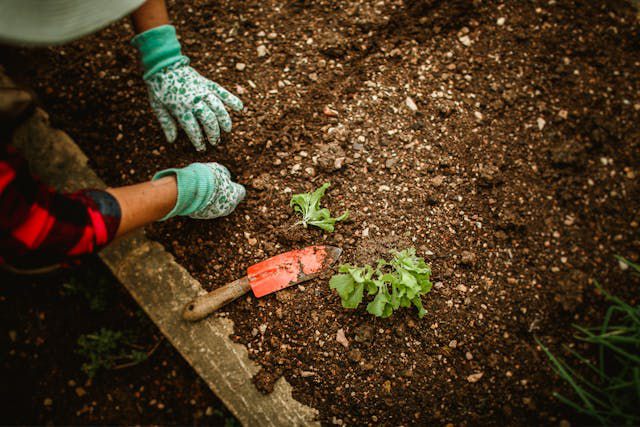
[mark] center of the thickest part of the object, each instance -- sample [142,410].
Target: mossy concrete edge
[162,287]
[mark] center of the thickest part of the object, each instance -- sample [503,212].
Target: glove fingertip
[242,193]
[236,104]
[171,135]
[196,138]
[225,125]
[198,145]
[213,138]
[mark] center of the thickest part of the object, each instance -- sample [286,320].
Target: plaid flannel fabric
[39,226]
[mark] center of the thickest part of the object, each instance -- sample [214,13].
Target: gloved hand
[179,93]
[205,191]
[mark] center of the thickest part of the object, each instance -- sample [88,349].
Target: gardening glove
[179,93]
[205,191]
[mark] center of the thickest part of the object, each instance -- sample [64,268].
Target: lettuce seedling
[308,204]
[398,283]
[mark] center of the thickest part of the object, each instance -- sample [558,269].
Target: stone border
[162,287]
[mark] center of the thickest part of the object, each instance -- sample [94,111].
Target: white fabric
[42,22]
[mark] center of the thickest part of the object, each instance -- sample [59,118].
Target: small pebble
[467,258]
[474,378]
[329,112]
[341,338]
[623,265]
[437,180]
[541,123]
[411,104]
[355,355]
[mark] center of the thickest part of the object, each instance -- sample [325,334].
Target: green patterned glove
[205,191]
[179,93]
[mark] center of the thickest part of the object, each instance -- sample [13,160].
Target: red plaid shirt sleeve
[39,226]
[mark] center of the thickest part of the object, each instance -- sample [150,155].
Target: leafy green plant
[109,349]
[608,390]
[308,204]
[398,283]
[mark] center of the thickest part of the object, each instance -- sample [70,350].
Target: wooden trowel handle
[204,305]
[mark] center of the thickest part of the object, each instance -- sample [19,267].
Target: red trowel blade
[290,268]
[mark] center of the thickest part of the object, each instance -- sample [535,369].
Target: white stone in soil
[541,123]
[411,104]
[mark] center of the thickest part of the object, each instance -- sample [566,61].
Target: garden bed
[512,169]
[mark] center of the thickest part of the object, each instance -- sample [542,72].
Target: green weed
[609,390]
[108,349]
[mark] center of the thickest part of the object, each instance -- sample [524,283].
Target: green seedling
[108,349]
[398,283]
[606,382]
[308,205]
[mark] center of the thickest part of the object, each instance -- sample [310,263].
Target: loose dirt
[499,139]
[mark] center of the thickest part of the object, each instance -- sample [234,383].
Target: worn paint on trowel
[287,269]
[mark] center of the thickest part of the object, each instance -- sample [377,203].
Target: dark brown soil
[42,382]
[524,152]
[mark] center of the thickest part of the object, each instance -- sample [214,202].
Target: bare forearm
[151,14]
[141,204]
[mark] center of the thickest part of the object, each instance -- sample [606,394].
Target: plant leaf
[407,276]
[378,306]
[308,205]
